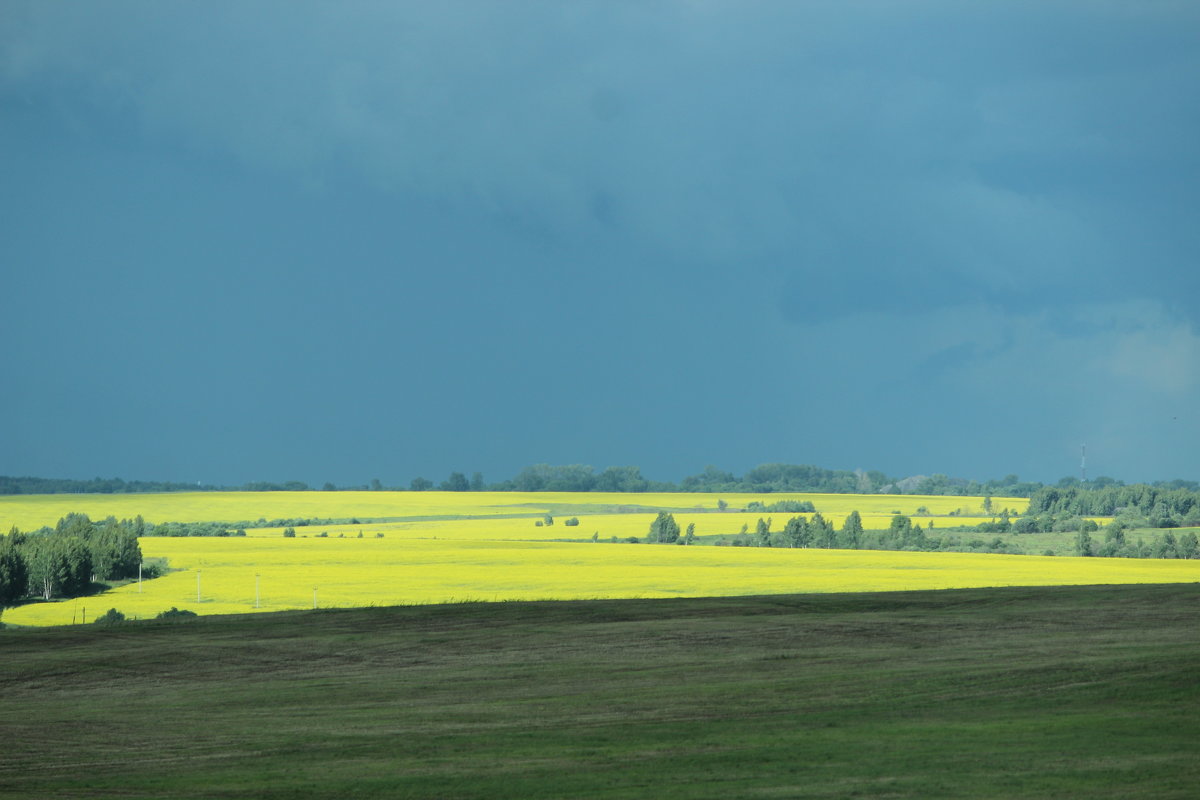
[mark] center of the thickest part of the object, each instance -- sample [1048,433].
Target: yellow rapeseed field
[395,570]
[429,547]
[604,525]
[29,512]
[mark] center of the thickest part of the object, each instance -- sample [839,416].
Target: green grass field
[1019,692]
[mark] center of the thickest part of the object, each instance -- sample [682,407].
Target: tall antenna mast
[1083,463]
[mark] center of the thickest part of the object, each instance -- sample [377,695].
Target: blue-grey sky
[335,242]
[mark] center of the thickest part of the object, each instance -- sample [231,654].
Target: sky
[307,241]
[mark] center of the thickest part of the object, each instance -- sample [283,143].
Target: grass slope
[1018,692]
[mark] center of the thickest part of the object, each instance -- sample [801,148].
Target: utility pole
[314,597]
[139,578]
[1083,463]
[197,586]
[256,590]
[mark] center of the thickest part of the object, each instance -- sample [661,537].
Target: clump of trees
[815,531]
[1159,507]
[64,561]
[664,529]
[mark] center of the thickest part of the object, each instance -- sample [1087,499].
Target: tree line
[66,560]
[903,533]
[765,478]
[818,532]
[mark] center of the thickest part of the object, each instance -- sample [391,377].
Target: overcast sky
[334,242]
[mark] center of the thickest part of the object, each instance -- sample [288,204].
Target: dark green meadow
[1049,692]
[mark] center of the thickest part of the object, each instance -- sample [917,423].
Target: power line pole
[256,590]
[197,586]
[1083,463]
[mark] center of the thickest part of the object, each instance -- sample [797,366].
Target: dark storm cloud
[942,197]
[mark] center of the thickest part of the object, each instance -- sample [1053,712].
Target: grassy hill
[1019,692]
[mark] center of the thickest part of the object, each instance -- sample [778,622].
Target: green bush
[110,617]
[176,613]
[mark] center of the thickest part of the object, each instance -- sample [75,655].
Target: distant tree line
[28,485]
[64,561]
[765,478]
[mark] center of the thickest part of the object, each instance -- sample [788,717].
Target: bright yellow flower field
[29,512]
[605,525]
[442,546]
[389,571]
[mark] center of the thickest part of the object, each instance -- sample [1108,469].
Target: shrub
[289,533]
[573,521]
[110,617]
[789,506]
[176,613]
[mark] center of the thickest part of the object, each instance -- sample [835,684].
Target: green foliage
[784,506]
[572,522]
[1162,507]
[194,529]
[177,614]
[1188,546]
[664,529]
[1083,543]
[14,575]
[457,482]
[797,533]
[762,530]
[110,617]
[289,533]
[57,565]
[850,536]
